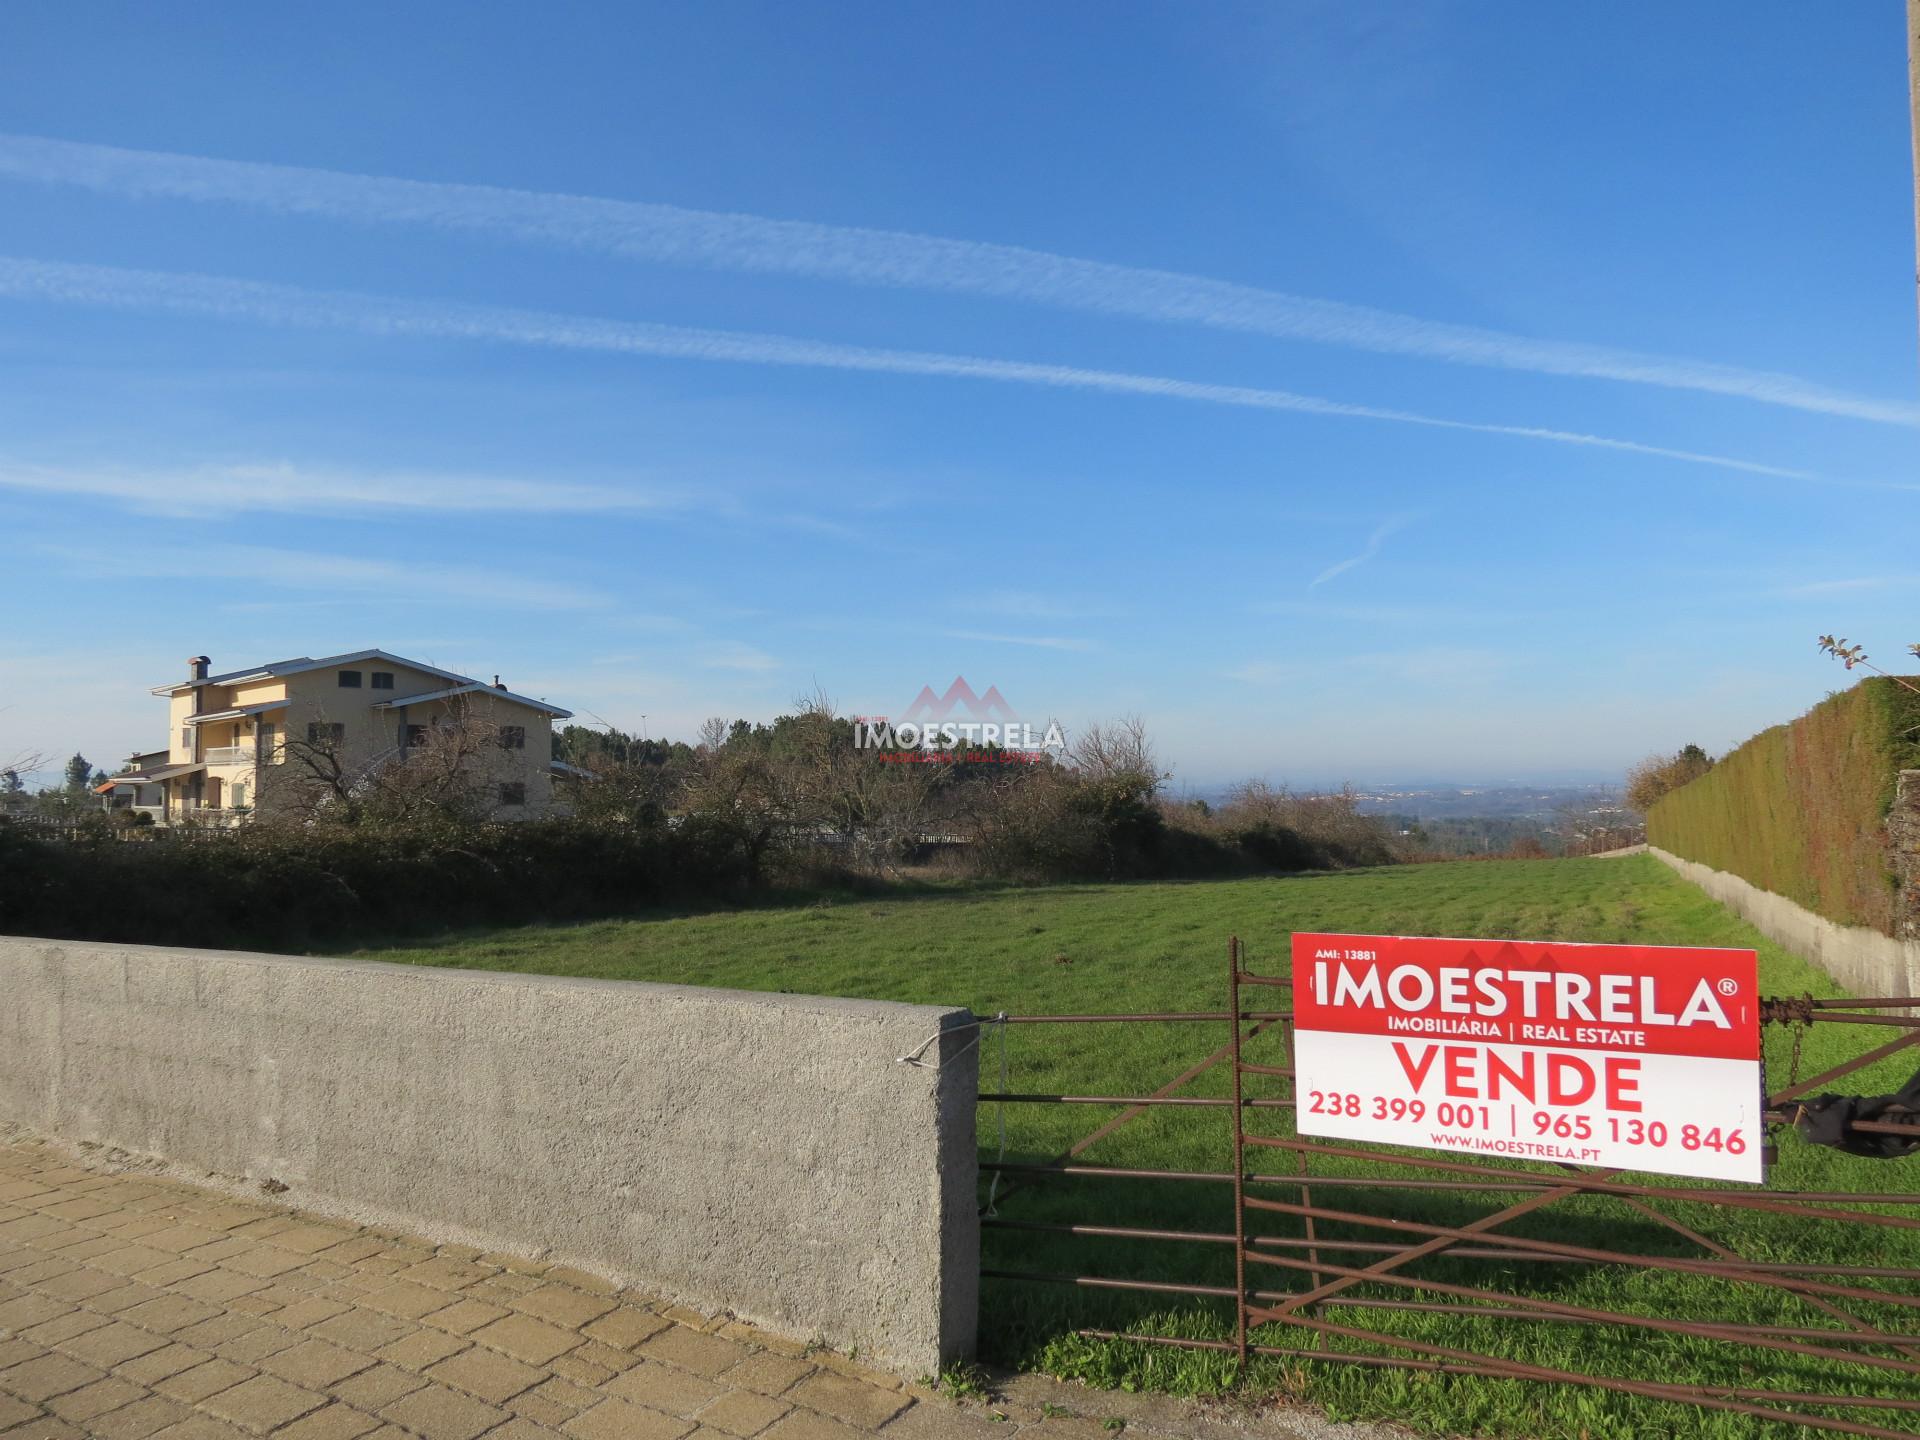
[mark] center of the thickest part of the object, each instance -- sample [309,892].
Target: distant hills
[1517,802]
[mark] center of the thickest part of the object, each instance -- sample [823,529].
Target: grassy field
[1077,949]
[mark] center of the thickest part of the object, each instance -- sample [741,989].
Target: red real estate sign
[1637,1057]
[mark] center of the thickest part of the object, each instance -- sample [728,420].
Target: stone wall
[1903,847]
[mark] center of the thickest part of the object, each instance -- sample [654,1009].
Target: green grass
[1074,949]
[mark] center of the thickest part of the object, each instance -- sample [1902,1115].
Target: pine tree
[79,770]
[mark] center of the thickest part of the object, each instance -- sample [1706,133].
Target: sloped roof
[298,664]
[473,687]
[147,777]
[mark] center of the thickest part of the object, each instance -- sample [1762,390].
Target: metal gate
[1328,1240]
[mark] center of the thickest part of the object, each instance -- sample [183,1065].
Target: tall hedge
[282,888]
[1801,809]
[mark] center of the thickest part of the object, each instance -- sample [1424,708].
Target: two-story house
[231,736]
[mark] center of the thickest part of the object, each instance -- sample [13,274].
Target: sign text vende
[1630,1056]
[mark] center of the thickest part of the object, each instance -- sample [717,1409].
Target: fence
[190,826]
[1376,1243]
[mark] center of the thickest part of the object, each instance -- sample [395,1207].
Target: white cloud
[893,259]
[110,287]
[1030,605]
[1039,642]
[486,586]
[1269,672]
[1424,665]
[1864,582]
[738,656]
[1389,614]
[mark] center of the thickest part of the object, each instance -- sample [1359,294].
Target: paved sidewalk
[135,1306]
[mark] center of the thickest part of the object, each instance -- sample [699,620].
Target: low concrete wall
[1865,961]
[761,1153]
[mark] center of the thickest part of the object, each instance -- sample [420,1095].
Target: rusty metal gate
[1318,1237]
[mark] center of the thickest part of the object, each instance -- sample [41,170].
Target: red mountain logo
[930,707]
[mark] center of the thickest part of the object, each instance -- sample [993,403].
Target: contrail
[896,259]
[230,489]
[1374,541]
[253,300]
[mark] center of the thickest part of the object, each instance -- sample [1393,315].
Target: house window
[325,735]
[349,679]
[186,738]
[513,737]
[513,792]
[239,794]
[383,679]
[416,736]
[269,743]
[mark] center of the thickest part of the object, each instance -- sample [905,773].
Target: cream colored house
[228,735]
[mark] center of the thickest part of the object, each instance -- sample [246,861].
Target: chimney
[496,683]
[197,667]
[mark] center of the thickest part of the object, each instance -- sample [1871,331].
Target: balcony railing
[229,754]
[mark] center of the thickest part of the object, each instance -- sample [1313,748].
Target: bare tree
[1660,775]
[439,770]
[13,788]
[1116,749]
[802,783]
[1856,655]
[1329,825]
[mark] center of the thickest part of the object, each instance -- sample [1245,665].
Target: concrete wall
[763,1153]
[1865,961]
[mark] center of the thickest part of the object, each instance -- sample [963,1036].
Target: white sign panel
[1631,1057]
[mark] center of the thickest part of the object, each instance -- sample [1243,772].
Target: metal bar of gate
[1329,1278]
[1239,1147]
[1466,1363]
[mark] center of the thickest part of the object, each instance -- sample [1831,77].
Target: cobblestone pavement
[135,1306]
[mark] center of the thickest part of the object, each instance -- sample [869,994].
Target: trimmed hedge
[275,888]
[1801,809]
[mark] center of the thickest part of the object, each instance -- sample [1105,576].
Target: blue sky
[1470,391]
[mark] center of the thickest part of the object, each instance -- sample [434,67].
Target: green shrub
[291,887]
[1801,809]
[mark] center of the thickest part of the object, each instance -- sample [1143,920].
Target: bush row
[290,887]
[285,888]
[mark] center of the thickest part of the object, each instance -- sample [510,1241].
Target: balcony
[229,755]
